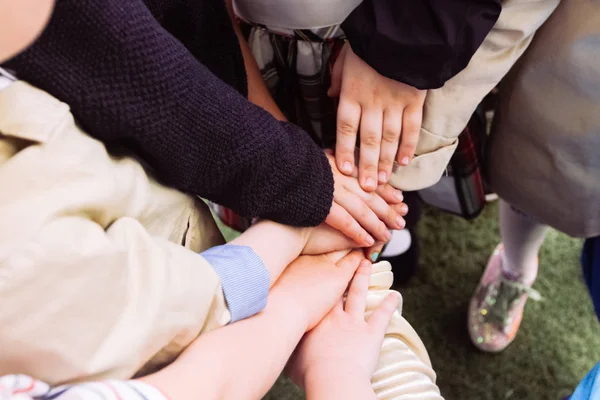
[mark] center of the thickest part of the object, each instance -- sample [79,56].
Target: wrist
[304,234]
[327,371]
[277,245]
[338,382]
[297,237]
[290,308]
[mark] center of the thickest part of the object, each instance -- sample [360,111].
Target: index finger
[341,220]
[348,119]
[370,145]
[356,300]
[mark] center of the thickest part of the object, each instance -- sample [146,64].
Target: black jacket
[420,42]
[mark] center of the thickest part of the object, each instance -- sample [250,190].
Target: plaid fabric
[465,166]
[462,190]
[296,66]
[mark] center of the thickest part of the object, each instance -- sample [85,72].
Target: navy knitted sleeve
[131,82]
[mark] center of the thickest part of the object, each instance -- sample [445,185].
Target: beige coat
[545,148]
[448,109]
[99,271]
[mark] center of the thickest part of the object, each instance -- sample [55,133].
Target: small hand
[311,285]
[388,112]
[359,214]
[344,343]
[324,239]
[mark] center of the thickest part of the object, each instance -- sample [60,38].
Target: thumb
[380,318]
[337,75]
[336,256]
[347,266]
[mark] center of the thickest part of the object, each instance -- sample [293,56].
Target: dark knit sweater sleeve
[422,43]
[130,82]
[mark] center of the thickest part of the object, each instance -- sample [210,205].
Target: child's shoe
[496,308]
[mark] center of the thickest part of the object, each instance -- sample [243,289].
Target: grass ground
[559,340]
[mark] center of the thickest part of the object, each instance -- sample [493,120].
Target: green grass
[559,339]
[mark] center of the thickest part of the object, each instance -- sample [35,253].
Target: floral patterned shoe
[496,309]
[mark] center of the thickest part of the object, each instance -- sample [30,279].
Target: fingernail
[398,194]
[404,209]
[388,235]
[370,183]
[401,222]
[347,167]
[382,177]
[405,161]
[374,256]
[370,241]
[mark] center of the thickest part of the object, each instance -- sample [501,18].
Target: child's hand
[359,214]
[343,346]
[324,239]
[310,286]
[388,112]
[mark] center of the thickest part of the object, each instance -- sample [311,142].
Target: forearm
[195,131]
[277,245]
[239,361]
[448,110]
[258,93]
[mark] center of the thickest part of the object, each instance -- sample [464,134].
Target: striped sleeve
[244,279]
[21,387]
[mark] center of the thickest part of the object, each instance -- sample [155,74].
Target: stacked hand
[343,348]
[389,114]
[311,285]
[362,216]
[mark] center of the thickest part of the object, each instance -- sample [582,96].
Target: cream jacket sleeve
[99,267]
[448,109]
[404,369]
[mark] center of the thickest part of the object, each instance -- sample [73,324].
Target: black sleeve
[422,43]
[130,82]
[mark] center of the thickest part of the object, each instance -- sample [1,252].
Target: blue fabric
[590,261]
[589,388]
[244,279]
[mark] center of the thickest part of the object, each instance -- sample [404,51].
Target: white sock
[522,237]
[399,243]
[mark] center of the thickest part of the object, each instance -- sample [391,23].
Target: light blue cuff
[589,388]
[244,279]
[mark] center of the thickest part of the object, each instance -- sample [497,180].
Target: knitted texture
[166,80]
